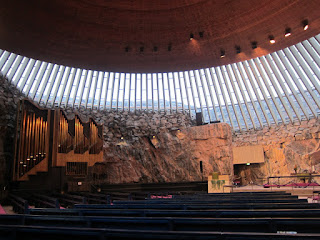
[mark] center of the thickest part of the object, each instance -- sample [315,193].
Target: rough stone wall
[9,98]
[158,147]
[285,147]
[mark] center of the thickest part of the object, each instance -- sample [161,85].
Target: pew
[211,201]
[41,200]
[67,200]
[65,233]
[263,225]
[181,213]
[191,206]
[19,204]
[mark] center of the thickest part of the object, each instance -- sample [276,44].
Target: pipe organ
[65,139]
[48,139]
[31,139]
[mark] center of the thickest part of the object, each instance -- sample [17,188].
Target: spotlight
[155,48]
[169,48]
[141,49]
[201,34]
[305,24]
[191,36]
[238,49]
[287,32]
[271,39]
[222,53]
[254,44]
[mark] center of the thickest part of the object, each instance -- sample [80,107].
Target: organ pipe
[32,140]
[65,140]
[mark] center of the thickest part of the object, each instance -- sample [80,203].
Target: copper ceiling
[109,35]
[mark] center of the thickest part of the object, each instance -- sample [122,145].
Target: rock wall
[285,147]
[149,147]
[9,98]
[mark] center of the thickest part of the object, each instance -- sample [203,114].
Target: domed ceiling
[152,35]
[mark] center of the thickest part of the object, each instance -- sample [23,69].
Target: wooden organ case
[76,141]
[47,139]
[32,141]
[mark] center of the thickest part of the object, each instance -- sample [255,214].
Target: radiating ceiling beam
[233,66]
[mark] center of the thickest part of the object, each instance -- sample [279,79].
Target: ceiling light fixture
[191,36]
[271,39]
[238,49]
[222,53]
[305,24]
[254,44]
[287,32]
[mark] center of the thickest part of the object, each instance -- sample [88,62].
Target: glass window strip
[229,119]
[129,97]
[280,74]
[243,76]
[292,78]
[44,82]
[20,71]
[56,85]
[214,83]
[228,68]
[105,81]
[262,90]
[62,87]
[265,78]
[198,93]
[14,67]
[87,85]
[226,80]
[250,76]
[69,84]
[4,57]
[210,92]
[310,63]
[71,95]
[183,75]
[241,88]
[190,91]
[279,87]
[8,63]
[294,64]
[32,77]
[204,90]
[48,87]
[39,80]
[93,90]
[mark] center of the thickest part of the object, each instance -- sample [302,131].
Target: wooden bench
[263,225]
[181,213]
[68,200]
[65,233]
[19,204]
[41,200]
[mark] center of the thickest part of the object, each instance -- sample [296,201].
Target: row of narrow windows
[281,87]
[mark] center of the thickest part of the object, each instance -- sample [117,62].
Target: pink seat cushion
[2,211]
